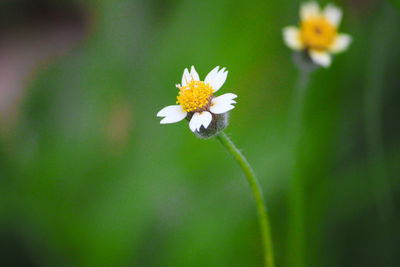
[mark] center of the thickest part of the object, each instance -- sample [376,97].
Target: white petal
[291,36]
[219,79]
[333,14]
[186,77]
[341,43]
[321,58]
[194,74]
[210,76]
[172,114]
[309,10]
[200,119]
[223,103]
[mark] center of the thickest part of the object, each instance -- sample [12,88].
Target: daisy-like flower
[318,33]
[197,103]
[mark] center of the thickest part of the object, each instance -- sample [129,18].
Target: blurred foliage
[88,177]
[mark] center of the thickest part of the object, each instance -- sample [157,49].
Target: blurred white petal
[194,74]
[341,43]
[210,76]
[333,14]
[172,114]
[291,36]
[309,10]
[200,119]
[223,103]
[219,79]
[321,58]
[186,77]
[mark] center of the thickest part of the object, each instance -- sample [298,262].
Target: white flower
[318,33]
[197,101]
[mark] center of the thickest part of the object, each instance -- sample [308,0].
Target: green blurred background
[88,176]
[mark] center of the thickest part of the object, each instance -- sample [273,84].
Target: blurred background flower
[318,35]
[88,176]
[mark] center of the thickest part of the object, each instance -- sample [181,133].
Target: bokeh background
[88,176]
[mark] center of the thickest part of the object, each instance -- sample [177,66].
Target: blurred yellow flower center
[318,33]
[195,96]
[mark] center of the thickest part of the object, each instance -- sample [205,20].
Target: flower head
[318,33]
[198,104]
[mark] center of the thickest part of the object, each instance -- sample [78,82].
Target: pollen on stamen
[318,33]
[194,96]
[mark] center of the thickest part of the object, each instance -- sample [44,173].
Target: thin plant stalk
[296,227]
[376,70]
[258,196]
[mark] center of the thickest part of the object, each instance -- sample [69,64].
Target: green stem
[373,109]
[296,228]
[380,52]
[257,192]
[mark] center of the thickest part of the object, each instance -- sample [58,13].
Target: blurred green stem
[257,192]
[373,108]
[380,52]
[296,229]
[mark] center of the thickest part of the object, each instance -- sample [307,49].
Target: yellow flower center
[195,96]
[318,33]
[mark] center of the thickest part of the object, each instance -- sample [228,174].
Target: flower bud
[219,122]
